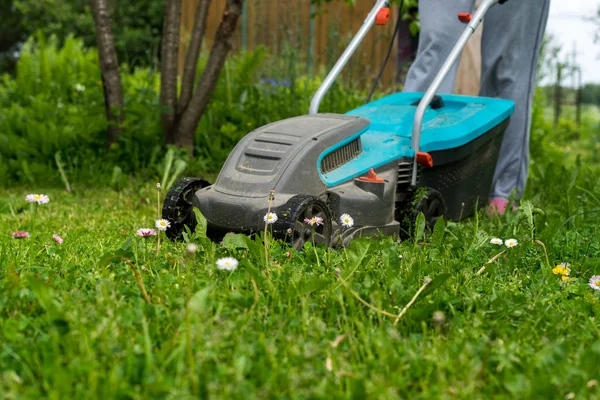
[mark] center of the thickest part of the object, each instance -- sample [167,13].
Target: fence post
[311,55]
[579,99]
[557,93]
[245,26]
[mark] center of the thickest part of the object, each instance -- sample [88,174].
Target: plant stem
[189,338]
[357,296]
[545,252]
[35,208]
[411,302]
[158,204]
[255,286]
[491,260]
[270,200]
[138,279]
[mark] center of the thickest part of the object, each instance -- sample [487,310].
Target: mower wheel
[432,205]
[293,214]
[178,206]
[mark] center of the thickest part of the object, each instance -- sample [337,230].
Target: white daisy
[162,224]
[145,232]
[511,242]
[270,218]
[37,198]
[227,263]
[192,248]
[314,221]
[347,221]
[496,241]
[595,282]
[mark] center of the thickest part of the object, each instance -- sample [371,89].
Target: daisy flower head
[346,220]
[510,243]
[57,238]
[290,231]
[227,264]
[270,218]
[314,221]
[145,232]
[37,198]
[496,241]
[595,282]
[20,235]
[192,249]
[162,224]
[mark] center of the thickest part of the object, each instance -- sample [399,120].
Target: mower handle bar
[341,63]
[437,82]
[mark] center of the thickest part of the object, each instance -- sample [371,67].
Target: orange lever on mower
[371,177]
[424,159]
[465,18]
[383,16]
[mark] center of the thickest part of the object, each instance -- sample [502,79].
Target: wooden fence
[285,27]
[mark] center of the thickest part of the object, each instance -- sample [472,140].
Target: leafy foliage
[136,23]
[54,104]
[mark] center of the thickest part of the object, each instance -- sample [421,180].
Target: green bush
[54,105]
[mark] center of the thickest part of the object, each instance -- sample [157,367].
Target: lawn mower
[382,163]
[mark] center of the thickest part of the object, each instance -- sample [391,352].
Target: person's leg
[440,30]
[510,45]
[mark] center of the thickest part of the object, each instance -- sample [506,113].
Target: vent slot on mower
[404,174]
[341,156]
[403,188]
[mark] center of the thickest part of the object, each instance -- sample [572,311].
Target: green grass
[74,324]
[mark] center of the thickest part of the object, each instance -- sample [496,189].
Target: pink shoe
[497,206]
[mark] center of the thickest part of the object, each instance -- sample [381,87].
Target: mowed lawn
[316,324]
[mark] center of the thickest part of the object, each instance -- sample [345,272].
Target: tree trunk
[109,68]
[192,114]
[191,60]
[168,67]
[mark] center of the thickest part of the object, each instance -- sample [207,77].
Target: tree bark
[109,68]
[221,47]
[168,67]
[191,60]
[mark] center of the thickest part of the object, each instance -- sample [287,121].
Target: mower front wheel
[178,206]
[292,225]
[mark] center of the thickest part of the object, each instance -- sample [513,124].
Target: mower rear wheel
[178,206]
[432,205]
[296,211]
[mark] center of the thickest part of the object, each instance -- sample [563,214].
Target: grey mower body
[284,157]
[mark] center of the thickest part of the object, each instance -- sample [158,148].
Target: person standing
[510,45]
